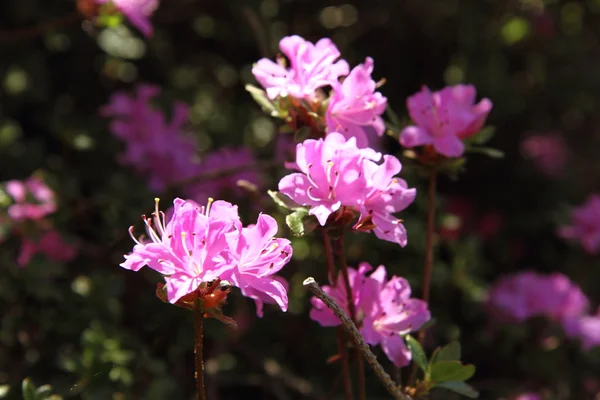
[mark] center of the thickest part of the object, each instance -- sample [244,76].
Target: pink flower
[154,148]
[585,328]
[528,396]
[444,119]
[138,12]
[50,244]
[201,244]
[548,152]
[221,160]
[585,225]
[312,66]
[386,310]
[335,173]
[33,199]
[355,105]
[528,294]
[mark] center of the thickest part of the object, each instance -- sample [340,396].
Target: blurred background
[96,331]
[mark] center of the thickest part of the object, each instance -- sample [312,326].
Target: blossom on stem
[203,244]
[586,328]
[528,294]
[33,199]
[312,66]
[138,12]
[355,105]
[585,225]
[444,118]
[385,309]
[335,173]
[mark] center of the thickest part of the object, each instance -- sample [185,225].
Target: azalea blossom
[385,310]
[445,118]
[138,12]
[158,150]
[547,151]
[203,244]
[586,328]
[355,105]
[311,66]
[528,294]
[585,225]
[32,198]
[335,173]
[50,244]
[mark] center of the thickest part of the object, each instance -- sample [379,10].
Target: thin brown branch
[16,35]
[385,379]
[198,352]
[259,30]
[341,340]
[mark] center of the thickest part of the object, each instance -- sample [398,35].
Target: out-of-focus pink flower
[528,396]
[585,328]
[33,199]
[221,160]
[50,244]
[200,245]
[548,152]
[336,173]
[312,66]
[444,118]
[154,148]
[355,105]
[585,225]
[138,12]
[528,294]
[385,309]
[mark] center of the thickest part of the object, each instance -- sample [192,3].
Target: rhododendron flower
[385,310]
[33,199]
[336,173]
[585,225]
[203,244]
[223,159]
[354,105]
[154,148]
[528,396]
[138,12]
[548,152]
[528,294]
[444,119]
[312,66]
[50,244]
[585,328]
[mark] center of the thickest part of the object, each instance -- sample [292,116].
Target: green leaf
[302,134]
[450,352]
[483,136]
[488,151]
[300,223]
[284,201]
[418,354]
[44,391]
[394,118]
[445,371]
[110,20]
[28,390]
[460,388]
[260,96]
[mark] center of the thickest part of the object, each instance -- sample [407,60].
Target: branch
[312,285]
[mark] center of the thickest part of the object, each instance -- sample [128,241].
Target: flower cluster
[335,173]
[585,225]
[444,119]
[385,309]
[203,244]
[29,202]
[528,294]
[354,107]
[138,12]
[163,153]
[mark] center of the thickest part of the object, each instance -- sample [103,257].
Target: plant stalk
[198,352]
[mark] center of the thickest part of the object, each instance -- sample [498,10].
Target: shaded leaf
[260,96]
[450,352]
[418,354]
[300,223]
[285,201]
[488,151]
[445,371]
[460,388]
[28,390]
[483,136]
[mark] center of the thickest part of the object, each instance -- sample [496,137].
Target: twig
[40,29]
[260,33]
[198,353]
[345,364]
[222,172]
[312,285]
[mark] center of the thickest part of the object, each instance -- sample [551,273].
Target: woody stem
[198,351]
